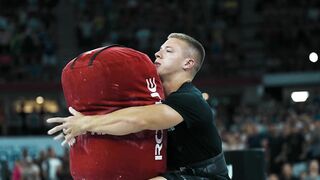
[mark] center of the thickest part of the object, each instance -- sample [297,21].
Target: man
[194,145]
[95,83]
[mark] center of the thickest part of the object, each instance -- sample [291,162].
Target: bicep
[159,116]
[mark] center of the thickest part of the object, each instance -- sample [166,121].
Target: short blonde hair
[194,45]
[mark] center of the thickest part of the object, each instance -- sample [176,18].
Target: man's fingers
[72,141]
[68,140]
[64,143]
[74,112]
[56,129]
[68,137]
[68,131]
[59,137]
[56,120]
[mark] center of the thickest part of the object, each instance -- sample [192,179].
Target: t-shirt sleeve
[191,107]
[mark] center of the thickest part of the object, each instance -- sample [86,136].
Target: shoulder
[190,103]
[185,97]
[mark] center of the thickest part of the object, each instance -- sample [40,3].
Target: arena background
[259,59]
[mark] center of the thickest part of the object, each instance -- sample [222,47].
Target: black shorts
[177,175]
[211,169]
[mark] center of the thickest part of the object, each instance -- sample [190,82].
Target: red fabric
[117,79]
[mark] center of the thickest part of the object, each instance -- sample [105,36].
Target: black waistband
[207,168]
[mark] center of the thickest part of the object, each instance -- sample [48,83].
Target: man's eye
[169,50]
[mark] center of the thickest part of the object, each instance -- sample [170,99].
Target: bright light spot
[313,57]
[39,100]
[205,96]
[299,96]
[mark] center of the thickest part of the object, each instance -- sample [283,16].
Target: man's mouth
[157,64]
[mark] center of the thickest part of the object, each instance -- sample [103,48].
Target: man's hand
[71,126]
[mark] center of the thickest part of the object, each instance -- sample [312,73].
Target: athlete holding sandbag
[102,81]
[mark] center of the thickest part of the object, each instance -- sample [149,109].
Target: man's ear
[189,63]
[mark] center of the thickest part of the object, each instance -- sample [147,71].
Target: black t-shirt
[196,138]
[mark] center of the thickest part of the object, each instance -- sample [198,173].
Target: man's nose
[157,54]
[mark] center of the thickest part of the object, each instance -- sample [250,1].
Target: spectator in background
[295,142]
[31,171]
[17,171]
[4,169]
[48,60]
[25,156]
[286,173]
[273,177]
[253,136]
[275,142]
[23,117]
[313,173]
[41,158]
[85,32]
[233,142]
[65,172]
[52,166]
[33,122]
[314,146]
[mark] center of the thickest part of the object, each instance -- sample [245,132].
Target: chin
[159,73]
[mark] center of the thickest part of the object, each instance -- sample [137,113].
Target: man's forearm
[131,120]
[120,122]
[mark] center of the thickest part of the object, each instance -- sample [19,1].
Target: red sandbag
[99,82]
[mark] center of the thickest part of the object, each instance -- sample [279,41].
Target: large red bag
[99,82]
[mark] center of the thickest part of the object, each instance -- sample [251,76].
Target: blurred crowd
[288,132]
[46,165]
[24,118]
[285,32]
[144,25]
[289,30]
[32,123]
[27,48]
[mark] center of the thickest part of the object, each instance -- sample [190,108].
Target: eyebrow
[161,47]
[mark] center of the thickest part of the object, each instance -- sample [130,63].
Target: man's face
[170,58]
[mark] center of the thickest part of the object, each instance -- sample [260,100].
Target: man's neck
[171,85]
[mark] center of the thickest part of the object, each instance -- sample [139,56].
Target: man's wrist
[86,125]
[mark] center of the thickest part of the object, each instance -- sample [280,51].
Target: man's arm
[151,117]
[121,122]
